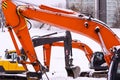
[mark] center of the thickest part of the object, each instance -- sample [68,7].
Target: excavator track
[96,74]
[4,76]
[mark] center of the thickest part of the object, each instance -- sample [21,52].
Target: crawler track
[12,76]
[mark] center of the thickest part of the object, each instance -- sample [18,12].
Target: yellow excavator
[9,65]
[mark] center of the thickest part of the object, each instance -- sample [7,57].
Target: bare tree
[74,8]
[2,20]
[87,10]
[116,23]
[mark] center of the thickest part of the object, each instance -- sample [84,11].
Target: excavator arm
[48,42]
[78,45]
[17,23]
[66,42]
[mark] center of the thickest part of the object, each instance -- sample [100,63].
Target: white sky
[61,3]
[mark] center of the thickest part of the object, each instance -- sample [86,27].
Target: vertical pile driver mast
[79,23]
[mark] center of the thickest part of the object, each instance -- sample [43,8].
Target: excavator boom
[76,23]
[18,23]
[81,24]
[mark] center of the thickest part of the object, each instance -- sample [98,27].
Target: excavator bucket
[73,71]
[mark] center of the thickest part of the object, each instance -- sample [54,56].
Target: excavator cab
[11,54]
[98,62]
[9,64]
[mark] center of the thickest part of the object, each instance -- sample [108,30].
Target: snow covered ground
[57,70]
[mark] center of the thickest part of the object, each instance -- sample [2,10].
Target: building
[80,3]
[112,6]
[109,8]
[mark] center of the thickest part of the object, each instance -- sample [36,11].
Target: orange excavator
[96,30]
[95,59]
[61,41]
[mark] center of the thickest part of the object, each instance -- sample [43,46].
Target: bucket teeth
[73,71]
